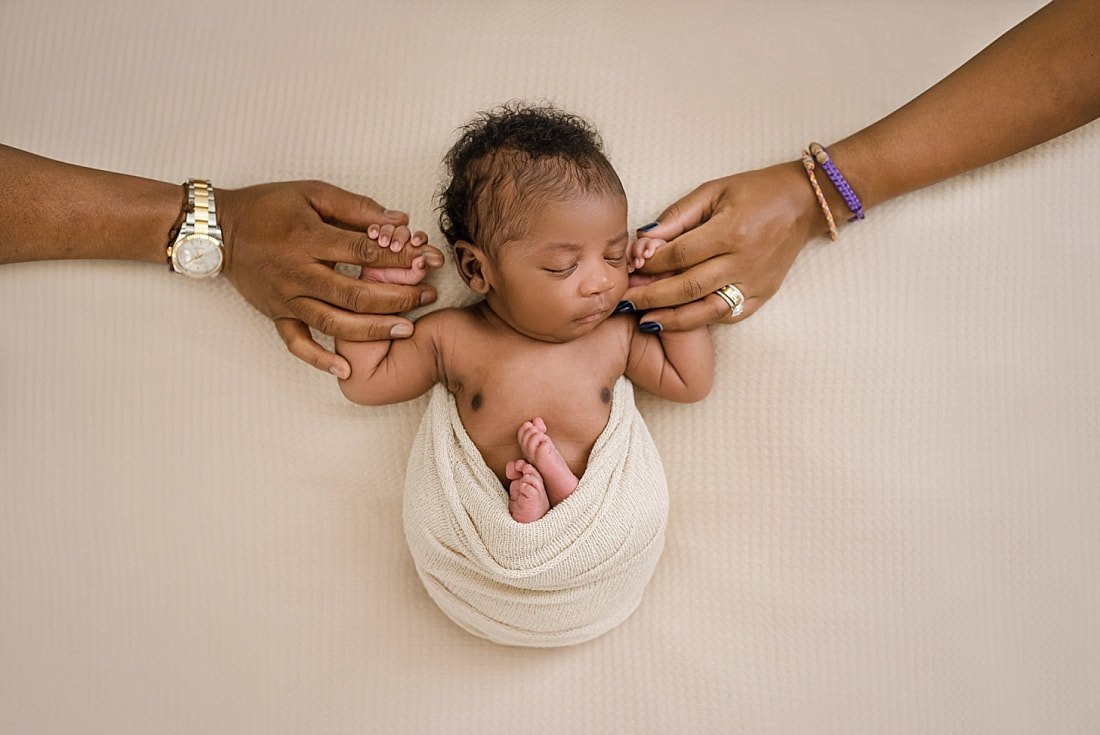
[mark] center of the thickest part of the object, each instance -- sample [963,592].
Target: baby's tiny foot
[527,500]
[541,452]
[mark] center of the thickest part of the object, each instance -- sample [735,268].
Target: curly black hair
[506,156]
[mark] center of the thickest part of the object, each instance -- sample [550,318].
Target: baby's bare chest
[570,389]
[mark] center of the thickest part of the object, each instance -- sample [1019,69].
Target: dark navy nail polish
[624,306]
[648,227]
[650,327]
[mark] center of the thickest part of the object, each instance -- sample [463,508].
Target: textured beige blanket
[572,575]
[885,518]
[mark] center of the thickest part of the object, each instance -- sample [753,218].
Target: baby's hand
[410,276]
[641,250]
[395,238]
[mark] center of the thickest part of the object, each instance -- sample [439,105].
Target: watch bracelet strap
[174,233]
[199,213]
[202,214]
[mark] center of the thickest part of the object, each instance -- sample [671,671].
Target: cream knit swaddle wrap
[570,576]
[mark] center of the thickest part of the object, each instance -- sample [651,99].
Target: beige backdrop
[885,519]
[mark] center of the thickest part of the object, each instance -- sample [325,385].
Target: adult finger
[336,205]
[364,297]
[684,214]
[708,310]
[347,325]
[298,340]
[688,250]
[680,288]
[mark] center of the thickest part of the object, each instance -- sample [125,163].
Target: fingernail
[337,371]
[648,227]
[392,213]
[650,327]
[624,306]
[427,297]
[401,330]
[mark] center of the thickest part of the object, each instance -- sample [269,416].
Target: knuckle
[721,313]
[678,256]
[301,347]
[365,250]
[357,297]
[378,330]
[325,322]
[368,205]
[691,288]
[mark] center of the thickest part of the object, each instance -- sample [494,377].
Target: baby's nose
[597,281]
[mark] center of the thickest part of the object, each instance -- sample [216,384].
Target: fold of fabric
[566,578]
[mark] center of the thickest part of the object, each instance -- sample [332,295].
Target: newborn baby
[535,501]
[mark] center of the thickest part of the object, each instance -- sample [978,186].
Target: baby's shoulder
[620,328]
[445,320]
[450,326]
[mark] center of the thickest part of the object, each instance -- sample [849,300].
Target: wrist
[867,174]
[808,219]
[147,213]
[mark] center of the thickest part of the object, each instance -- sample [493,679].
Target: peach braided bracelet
[808,164]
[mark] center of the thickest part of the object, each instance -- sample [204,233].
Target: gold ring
[732,296]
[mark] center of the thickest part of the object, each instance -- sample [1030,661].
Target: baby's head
[537,218]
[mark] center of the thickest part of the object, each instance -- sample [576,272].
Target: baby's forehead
[570,223]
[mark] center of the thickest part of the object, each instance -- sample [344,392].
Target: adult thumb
[682,215]
[340,206]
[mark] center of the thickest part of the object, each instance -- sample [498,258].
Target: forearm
[52,210]
[1039,80]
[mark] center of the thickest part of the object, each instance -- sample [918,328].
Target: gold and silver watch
[198,251]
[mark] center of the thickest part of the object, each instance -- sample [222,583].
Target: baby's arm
[678,366]
[391,371]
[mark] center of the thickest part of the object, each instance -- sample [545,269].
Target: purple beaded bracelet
[822,156]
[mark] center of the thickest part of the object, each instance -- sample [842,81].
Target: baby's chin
[566,332]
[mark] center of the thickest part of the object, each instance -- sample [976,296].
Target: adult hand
[282,241]
[746,229]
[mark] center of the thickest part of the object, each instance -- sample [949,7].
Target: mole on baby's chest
[476,401]
[605,394]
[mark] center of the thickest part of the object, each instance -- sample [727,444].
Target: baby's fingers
[383,235]
[403,235]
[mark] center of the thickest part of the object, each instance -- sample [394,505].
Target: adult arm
[281,242]
[1039,80]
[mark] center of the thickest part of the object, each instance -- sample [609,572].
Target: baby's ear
[471,266]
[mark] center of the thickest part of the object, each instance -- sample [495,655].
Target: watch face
[198,256]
